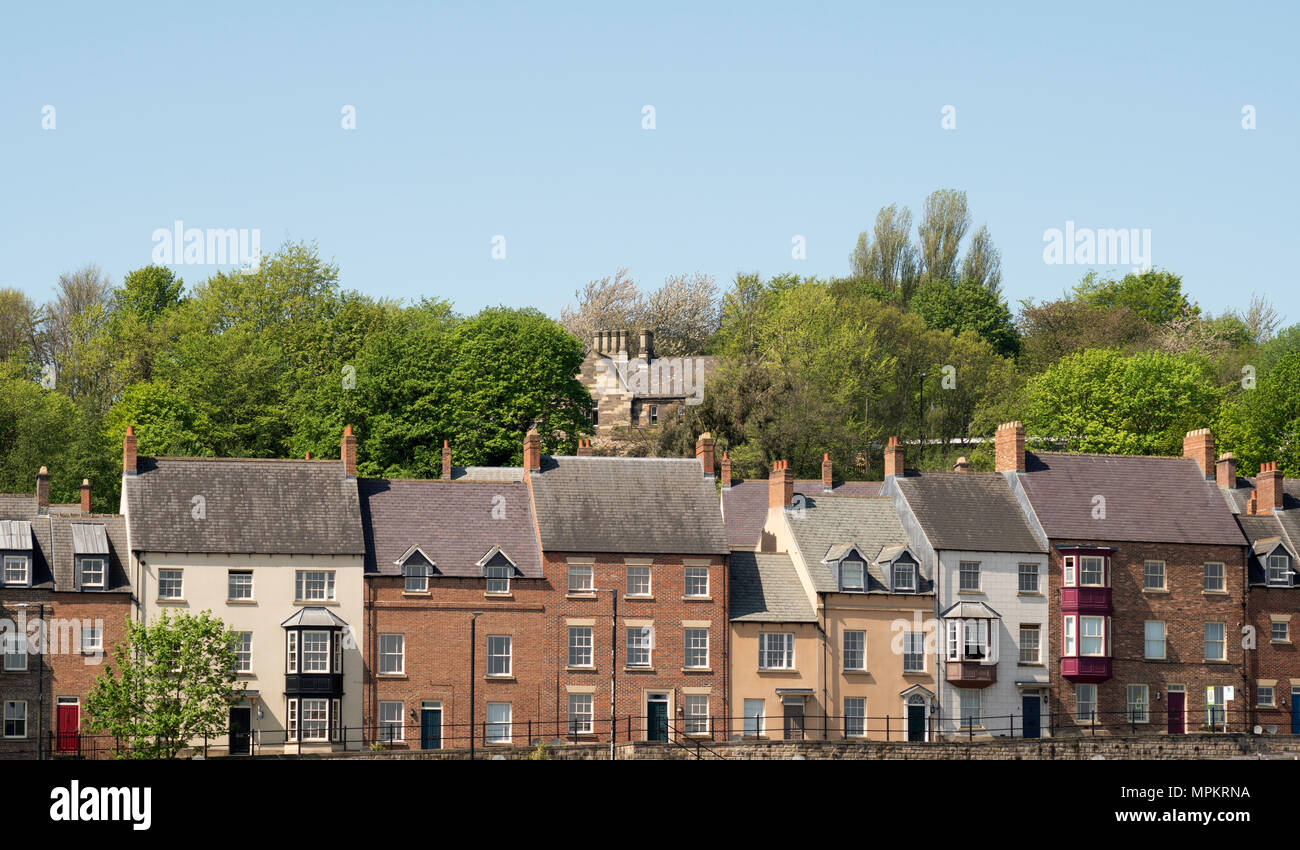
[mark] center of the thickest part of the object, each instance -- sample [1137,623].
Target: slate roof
[1284,524]
[972,511]
[89,538]
[744,505]
[109,532]
[15,534]
[314,616]
[265,506]
[869,523]
[451,522]
[766,589]
[17,505]
[1149,499]
[632,505]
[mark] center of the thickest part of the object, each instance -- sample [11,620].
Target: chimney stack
[1268,484]
[1009,447]
[962,465]
[726,470]
[584,448]
[647,344]
[85,495]
[827,480]
[780,486]
[532,450]
[307,456]
[893,458]
[1225,471]
[1252,504]
[1199,446]
[348,451]
[704,452]
[128,451]
[622,343]
[43,491]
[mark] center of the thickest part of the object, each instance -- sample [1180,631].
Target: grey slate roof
[869,523]
[17,505]
[618,504]
[89,538]
[1283,524]
[15,534]
[314,616]
[766,589]
[744,505]
[1149,499]
[968,610]
[451,522]
[265,506]
[973,511]
[109,530]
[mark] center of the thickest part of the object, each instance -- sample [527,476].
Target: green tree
[170,683]
[1155,295]
[149,292]
[967,306]
[1263,423]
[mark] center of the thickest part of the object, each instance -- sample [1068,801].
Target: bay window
[1088,634]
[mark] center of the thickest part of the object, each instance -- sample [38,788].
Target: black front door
[657,720]
[916,723]
[1031,708]
[794,720]
[431,728]
[241,725]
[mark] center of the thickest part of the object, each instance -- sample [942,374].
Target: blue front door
[431,728]
[657,720]
[1031,708]
[1295,712]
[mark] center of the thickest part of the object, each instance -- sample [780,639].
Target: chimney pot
[1009,447]
[128,451]
[962,465]
[348,452]
[584,448]
[893,458]
[780,486]
[1268,485]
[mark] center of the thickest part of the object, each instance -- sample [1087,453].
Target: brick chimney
[1009,447]
[1252,504]
[43,491]
[1268,484]
[307,456]
[726,470]
[348,451]
[780,486]
[584,448]
[85,495]
[1199,446]
[828,482]
[446,461]
[893,458]
[1225,471]
[128,451]
[704,452]
[532,450]
[962,465]
[647,344]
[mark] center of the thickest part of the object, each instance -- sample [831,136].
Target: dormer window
[904,577]
[1279,570]
[91,572]
[498,579]
[851,577]
[17,570]
[417,577]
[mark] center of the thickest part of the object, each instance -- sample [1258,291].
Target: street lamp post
[473,621]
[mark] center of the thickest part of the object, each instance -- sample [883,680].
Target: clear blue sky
[772,120]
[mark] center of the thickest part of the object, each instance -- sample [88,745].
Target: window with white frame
[1085,703]
[314,585]
[582,715]
[1214,576]
[580,646]
[851,577]
[776,651]
[392,654]
[16,570]
[1154,639]
[291,720]
[855,650]
[1215,642]
[1092,571]
[315,719]
[498,655]
[336,722]
[1279,570]
[638,646]
[697,714]
[15,718]
[968,640]
[1264,696]
[92,639]
[1153,575]
[580,578]
[697,648]
[1070,635]
[905,577]
[855,717]
[1280,631]
[1030,643]
[239,584]
[913,652]
[291,652]
[1067,568]
[243,652]
[391,721]
[15,646]
[1214,706]
[1028,578]
[498,579]
[970,708]
[1138,703]
[315,653]
[499,726]
[93,572]
[968,576]
[416,578]
[1092,635]
[697,581]
[638,580]
[170,584]
[652,413]
[753,709]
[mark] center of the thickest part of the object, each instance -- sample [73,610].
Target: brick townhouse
[1268,510]
[63,567]
[1146,582]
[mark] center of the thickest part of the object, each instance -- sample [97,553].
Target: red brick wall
[1270,660]
[1185,609]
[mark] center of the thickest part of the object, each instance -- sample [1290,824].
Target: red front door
[69,729]
[1177,722]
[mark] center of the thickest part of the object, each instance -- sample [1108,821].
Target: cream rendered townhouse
[275,549]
